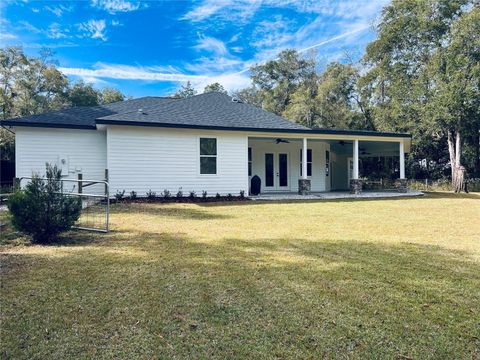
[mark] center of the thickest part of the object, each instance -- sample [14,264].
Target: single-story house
[209,142]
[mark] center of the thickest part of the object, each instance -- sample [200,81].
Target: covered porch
[323,163]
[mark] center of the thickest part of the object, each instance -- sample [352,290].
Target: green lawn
[395,279]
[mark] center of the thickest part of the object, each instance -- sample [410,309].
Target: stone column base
[355,186]
[401,185]
[304,186]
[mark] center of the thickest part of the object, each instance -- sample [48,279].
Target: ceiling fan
[278,141]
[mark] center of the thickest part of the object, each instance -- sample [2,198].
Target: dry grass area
[396,278]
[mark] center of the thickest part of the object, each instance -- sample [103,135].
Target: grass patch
[396,278]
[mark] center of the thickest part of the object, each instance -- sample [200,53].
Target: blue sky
[151,48]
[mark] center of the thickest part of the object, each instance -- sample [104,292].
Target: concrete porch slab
[335,195]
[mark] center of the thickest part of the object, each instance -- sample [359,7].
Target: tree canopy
[215,87]
[185,91]
[31,85]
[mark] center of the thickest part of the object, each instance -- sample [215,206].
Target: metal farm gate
[95,202]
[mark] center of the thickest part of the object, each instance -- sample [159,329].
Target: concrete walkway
[335,195]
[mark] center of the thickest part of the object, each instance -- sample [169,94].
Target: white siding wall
[319,181]
[141,158]
[84,150]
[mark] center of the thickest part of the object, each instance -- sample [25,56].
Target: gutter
[248,129]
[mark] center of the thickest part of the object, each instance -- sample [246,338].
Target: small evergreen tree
[41,210]
[186,91]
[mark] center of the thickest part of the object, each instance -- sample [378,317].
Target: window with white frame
[208,156]
[309,162]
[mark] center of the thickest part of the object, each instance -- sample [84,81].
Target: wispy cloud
[94,29]
[211,44]
[231,10]
[57,10]
[102,71]
[127,72]
[114,6]
[205,10]
[55,32]
[25,25]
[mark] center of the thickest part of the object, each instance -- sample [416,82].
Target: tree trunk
[455,152]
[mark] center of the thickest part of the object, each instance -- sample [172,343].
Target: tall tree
[110,95]
[30,85]
[278,79]
[413,38]
[185,91]
[334,101]
[249,95]
[215,87]
[454,74]
[82,94]
[12,60]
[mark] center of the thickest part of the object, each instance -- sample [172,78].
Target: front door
[276,171]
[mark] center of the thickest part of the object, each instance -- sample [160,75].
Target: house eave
[262,130]
[14,123]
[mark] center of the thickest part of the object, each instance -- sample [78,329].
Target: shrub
[166,194]
[192,195]
[230,197]
[218,196]
[242,194]
[133,195]
[179,193]
[119,195]
[42,210]
[151,195]
[204,194]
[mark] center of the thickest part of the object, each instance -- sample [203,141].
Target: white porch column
[355,160]
[304,159]
[402,161]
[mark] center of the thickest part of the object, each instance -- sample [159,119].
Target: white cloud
[127,72]
[94,29]
[55,32]
[212,45]
[101,71]
[228,10]
[230,81]
[114,6]
[29,27]
[206,9]
[7,36]
[206,65]
[57,10]
[273,33]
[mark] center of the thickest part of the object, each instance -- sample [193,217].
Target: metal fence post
[106,179]
[80,178]
[16,183]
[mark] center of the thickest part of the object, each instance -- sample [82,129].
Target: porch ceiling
[367,148]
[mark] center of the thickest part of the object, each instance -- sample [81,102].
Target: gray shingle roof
[210,110]
[84,116]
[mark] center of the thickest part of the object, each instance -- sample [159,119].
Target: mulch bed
[185,199]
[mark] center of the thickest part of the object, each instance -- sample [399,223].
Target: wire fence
[472,184]
[95,211]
